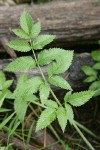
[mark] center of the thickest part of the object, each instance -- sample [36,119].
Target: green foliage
[41,41]
[26,22]
[62,117]
[36,28]
[44,92]
[20,106]
[46,118]
[80,98]
[70,113]
[93,73]
[19,45]
[21,64]
[60,82]
[4,85]
[37,90]
[96,55]
[51,104]
[21,33]
[58,55]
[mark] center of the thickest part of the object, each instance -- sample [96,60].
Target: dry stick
[45,138]
[16,142]
[4,41]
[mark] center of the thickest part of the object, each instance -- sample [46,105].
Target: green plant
[93,73]
[25,93]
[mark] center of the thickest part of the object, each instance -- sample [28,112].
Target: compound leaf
[60,82]
[42,40]
[26,22]
[60,55]
[80,98]
[62,117]
[21,33]
[21,64]
[46,118]
[44,92]
[19,45]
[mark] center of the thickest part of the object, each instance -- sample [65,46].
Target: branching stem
[41,72]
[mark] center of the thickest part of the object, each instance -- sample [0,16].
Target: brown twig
[16,142]
[45,138]
[4,41]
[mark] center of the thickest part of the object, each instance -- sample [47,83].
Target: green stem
[87,130]
[41,72]
[83,137]
[57,136]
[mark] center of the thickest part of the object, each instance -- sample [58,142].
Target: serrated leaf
[44,90]
[62,117]
[96,66]
[21,33]
[20,106]
[19,45]
[27,87]
[90,79]
[89,71]
[69,112]
[63,60]
[36,28]
[32,85]
[51,104]
[80,98]
[46,118]
[60,82]
[42,40]
[46,56]
[26,22]
[21,64]
[95,55]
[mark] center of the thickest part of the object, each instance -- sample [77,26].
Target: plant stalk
[83,137]
[41,72]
